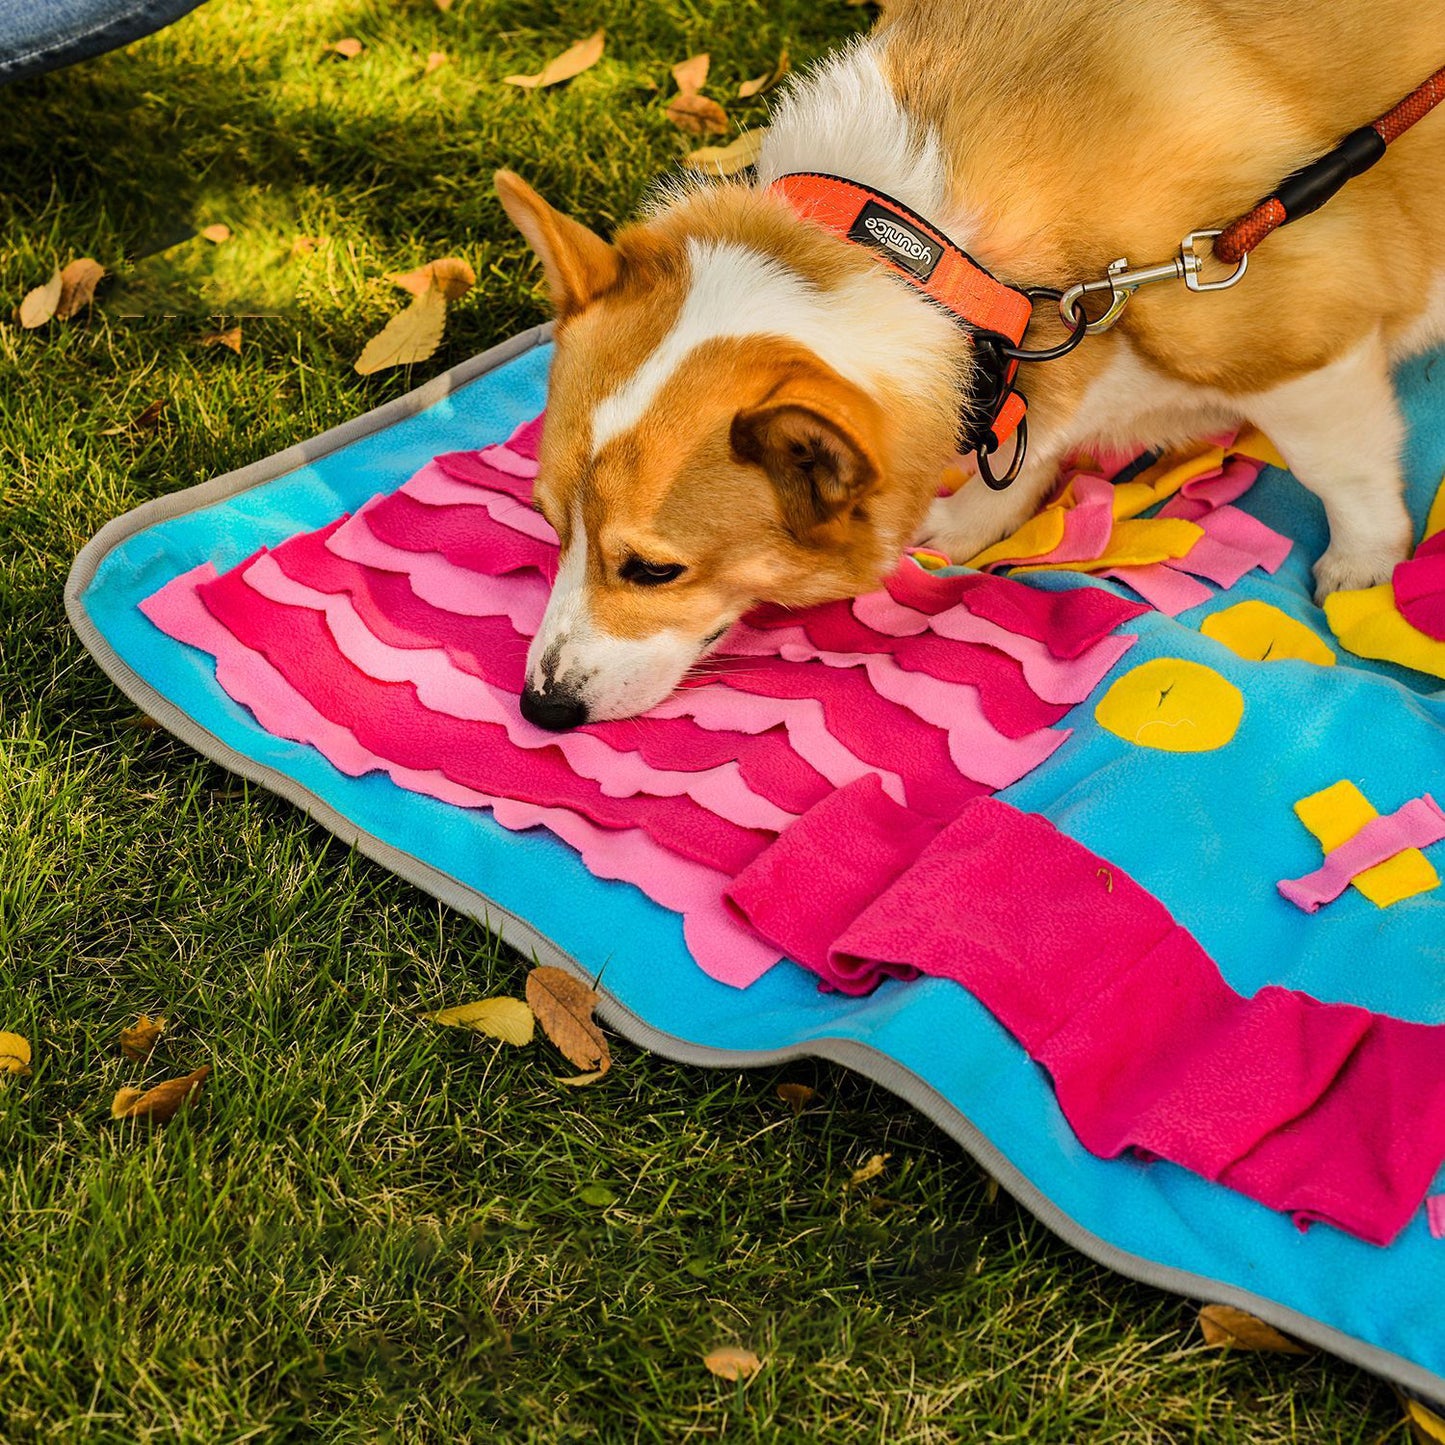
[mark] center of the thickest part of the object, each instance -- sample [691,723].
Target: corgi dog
[745,406]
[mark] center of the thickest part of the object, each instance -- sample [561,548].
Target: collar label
[901,243]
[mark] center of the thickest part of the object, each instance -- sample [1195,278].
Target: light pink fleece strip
[1088,524]
[445,688]
[1164,589]
[434,487]
[1435,1215]
[1417,825]
[722,948]
[885,614]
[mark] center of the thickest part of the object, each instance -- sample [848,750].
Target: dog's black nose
[555,711]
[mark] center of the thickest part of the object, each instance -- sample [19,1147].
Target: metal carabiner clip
[1121,282]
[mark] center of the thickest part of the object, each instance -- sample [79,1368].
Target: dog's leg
[1340,430]
[976,516]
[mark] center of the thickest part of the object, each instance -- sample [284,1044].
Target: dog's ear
[578,263]
[817,438]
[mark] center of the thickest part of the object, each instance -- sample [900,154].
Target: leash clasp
[1121,282]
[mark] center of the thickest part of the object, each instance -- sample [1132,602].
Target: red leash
[1308,189]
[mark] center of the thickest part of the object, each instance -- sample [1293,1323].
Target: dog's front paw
[1341,570]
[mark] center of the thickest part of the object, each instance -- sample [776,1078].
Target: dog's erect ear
[817,439]
[578,263]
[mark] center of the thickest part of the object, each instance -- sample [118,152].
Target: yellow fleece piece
[1258,632]
[1163,479]
[1335,814]
[1368,624]
[1040,534]
[1173,705]
[1435,522]
[1134,544]
[1252,442]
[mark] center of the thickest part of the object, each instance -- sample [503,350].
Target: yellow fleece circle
[1259,632]
[1173,705]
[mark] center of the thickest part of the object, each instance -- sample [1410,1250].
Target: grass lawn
[370,1228]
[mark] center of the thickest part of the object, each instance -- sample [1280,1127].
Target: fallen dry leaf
[77,287]
[1425,1425]
[729,1363]
[728,160]
[139,1040]
[410,336]
[348,48]
[160,1103]
[691,74]
[796,1096]
[143,420]
[1226,1326]
[580,1081]
[444,5]
[571,62]
[39,305]
[871,1170]
[305,245]
[698,115]
[452,276]
[766,81]
[563,1006]
[14,1055]
[217,233]
[230,339]
[508,1019]
[434,61]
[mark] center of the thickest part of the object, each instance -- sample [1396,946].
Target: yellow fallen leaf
[39,305]
[410,336]
[230,339]
[871,1170]
[728,160]
[217,233]
[580,1081]
[563,1006]
[139,1040]
[434,61]
[160,1103]
[691,74]
[571,62]
[14,1055]
[452,276]
[729,1363]
[796,1096]
[1224,1325]
[77,287]
[508,1019]
[766,81]
[1425,1425]
[347,48]
[698,115]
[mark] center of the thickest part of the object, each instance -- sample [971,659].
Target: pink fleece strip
[879,611]
[1416,825]
[437,581]
[1163,588]
[1322,1110]
[461,534]
[1435,1214]
[444,688]
[1419,585]
[1088,524]
[526,441]
[433,487]
[722,948]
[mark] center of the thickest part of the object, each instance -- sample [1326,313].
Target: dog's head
[742,409]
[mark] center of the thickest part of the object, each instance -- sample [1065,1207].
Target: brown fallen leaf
[141,722]
[766,81]
[691,74]
[729,1363]
[728,160]
[563,1006]
[580,1081]
[1224,1325]
[796,1096]
[410,336]
[39,305]
[217,233]
[434,62]
[230,339]
[572,62]
[348,48]
[145,420]
[698,115]
[14,1055]
[452,276]
[444,5]
[871,1170]
[306,245]
[508,1019]
[160,1103]
[77,287]
[139,1040]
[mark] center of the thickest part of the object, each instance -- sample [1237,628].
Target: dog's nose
[555,711]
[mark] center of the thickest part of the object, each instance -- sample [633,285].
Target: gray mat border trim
[522,936]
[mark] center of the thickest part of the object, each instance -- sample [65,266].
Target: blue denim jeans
[39,35]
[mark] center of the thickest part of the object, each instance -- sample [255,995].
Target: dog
[746,407]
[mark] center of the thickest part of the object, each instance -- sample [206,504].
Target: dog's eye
[650,574]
